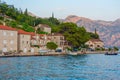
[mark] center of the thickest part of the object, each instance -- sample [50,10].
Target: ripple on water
[83,67]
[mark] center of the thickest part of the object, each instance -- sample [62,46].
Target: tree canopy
[75,35]
[51,45]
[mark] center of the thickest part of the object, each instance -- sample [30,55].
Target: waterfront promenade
[33,54]
[49,54]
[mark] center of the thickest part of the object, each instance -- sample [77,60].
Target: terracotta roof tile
[27,33]
[7,28]
[96,40]
[2,27]
[24,32]
[41,34]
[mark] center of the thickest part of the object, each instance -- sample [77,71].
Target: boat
[111,53]
[72,53]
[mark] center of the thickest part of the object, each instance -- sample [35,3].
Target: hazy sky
[94,9]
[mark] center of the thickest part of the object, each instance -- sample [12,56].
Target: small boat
[111,53]
[72,53]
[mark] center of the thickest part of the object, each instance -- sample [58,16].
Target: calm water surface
[83,67]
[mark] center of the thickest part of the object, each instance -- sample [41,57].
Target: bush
[103,49]
[20,50]
[69,49]
[97,49]
[35,46]
[115,48]
[52,45]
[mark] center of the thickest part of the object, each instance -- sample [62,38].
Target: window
[4,33]
[27,42]
[4,41]
[11,34]
[91,45]
[11,42]
[11,49]
[61,38]
[5,46]
[98,45]
[61,43]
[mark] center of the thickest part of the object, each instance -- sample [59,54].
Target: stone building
[95,43]
[8,39]
[44,27]
[12,39]
[58,39]
[24,39]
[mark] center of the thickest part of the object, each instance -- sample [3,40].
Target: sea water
[82,67]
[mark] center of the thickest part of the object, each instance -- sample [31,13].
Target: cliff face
[109,31]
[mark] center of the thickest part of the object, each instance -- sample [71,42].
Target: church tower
[95,31]
[52,15]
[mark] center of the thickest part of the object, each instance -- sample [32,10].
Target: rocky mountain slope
[109,31]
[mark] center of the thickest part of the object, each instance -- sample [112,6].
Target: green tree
[1,23]
[26,12]
[115,48]
[76,36]
[27,28]
[93,35]
[109,49]
[54,21]
[51,45]
[12,24]
[68,27]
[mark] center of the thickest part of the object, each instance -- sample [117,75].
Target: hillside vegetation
[16,18]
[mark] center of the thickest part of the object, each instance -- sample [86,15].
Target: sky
[108,10]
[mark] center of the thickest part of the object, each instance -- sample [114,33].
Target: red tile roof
[19,31]
[32,33]
[7,28]
[41,34]
[24,32]
[96,40]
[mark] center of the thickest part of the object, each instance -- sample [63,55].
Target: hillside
[25,20]
[17,18]
[109,31]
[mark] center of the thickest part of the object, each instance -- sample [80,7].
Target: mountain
[109,31]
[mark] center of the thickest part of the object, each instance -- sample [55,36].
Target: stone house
[24,39]
[43,41]
[8,38]
[95,43]
[58,39]
[39,40]
[44,27]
